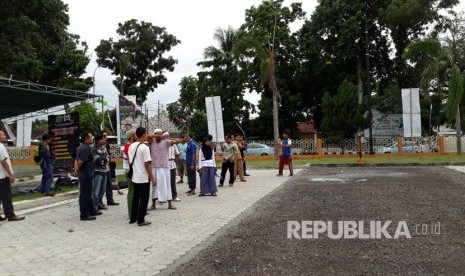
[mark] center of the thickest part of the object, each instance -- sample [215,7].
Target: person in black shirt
[84,167]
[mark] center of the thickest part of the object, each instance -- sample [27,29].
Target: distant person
[140,158]
[109,186]
[131,135]
[230,153]
[191,162]
[238,164]
[46,165]
[84,169]
[101,160]
[181,163]
[213,146]
[207,168]
[7,178]
[286,157]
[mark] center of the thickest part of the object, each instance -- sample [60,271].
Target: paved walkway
[55,242]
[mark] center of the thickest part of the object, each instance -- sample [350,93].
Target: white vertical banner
[23,131]
[411,112]
[215,118]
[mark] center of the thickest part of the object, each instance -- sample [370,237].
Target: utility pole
[158,116]
[368,80]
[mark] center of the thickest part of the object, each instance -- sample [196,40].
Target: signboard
[411,112]
[387,124]
[215,118]
[65,138]
[23,131]
[127,117]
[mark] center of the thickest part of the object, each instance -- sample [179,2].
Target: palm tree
[225,39]
[267,58]
[442,69]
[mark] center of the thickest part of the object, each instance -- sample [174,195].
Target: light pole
[368,80]
[93,86]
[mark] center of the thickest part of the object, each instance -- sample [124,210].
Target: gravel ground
[258,245]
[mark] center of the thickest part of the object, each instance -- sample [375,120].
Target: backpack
[37,158]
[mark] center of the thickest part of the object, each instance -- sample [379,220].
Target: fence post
[320,148]
[399,146]
[442,145]
[31,154]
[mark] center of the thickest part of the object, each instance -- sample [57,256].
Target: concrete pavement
[55,242]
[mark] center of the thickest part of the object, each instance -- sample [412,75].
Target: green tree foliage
[342,113]
[408,20]
[333,49]
[89,118]
[35,45]
[138,58]
[220,76]
[269,55]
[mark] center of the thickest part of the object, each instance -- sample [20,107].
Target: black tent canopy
[18,98]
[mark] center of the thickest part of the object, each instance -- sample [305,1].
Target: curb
[31,205]
[388,165]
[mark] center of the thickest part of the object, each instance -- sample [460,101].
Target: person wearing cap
[173,155]
[160,168]
[46,166]
[131,135]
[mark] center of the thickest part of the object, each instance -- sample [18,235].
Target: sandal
[172,208]
[146,223]
[214,194]
[201,195]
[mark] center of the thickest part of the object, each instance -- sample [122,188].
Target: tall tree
[440,67]
[268,47]
[220,76]
[138,57]
[408,20]
[35,45]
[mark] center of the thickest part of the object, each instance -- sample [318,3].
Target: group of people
[92,167]
[147,159]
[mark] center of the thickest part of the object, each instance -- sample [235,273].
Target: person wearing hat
[131,135]
[160,168]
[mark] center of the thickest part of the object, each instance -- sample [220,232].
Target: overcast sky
[192,22]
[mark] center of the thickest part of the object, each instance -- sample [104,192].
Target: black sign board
[65,132]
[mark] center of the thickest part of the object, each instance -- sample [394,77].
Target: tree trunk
[458,127]
[275,123]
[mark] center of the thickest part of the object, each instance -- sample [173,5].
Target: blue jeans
[47,179]
[100,185]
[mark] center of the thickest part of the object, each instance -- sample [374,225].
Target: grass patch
[39,195]
[377,159]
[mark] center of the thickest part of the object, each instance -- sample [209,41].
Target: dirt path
[418,196]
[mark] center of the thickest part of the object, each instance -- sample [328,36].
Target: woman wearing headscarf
[207,167]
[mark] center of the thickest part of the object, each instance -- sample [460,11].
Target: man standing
[84,167]
[191,153]
[181,164]
[101,160]
[46,166]
[109,186]
[286,156]
[230,153]
[238,165]
[161,171]
[131,134]
[140,159]
[173,155]
[6,180]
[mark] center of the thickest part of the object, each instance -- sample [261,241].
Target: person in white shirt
[207,168]
[6,179]
[173,155]
[140,159]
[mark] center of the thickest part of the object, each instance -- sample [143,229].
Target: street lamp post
[93,86]
[368,80]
